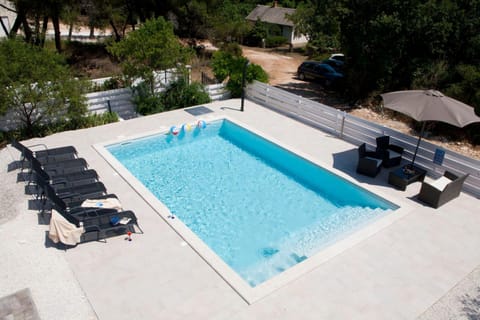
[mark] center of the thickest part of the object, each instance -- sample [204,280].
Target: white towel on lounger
[60,230]
[108,203]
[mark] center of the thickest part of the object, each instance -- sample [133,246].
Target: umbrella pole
[418,144]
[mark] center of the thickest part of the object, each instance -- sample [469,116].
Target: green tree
[34,16]
[404,44]
[320,21]
[226,65]
[194,19]
[152,47]
[70,15]
[37,86]
[117,14]
[228,20]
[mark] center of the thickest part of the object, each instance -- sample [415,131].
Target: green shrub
[3,139]
[145,101]
[181,94]
[253,72]
[88,121]
[275,41]
[222,63]
[232,48]
[42,130]
[226,65]
[113,83]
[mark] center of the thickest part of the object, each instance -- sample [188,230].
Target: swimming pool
[257,206]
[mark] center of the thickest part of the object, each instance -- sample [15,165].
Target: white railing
[357,131]
[120,100]
[117,100]
[217,91]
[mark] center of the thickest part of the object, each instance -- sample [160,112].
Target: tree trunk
[26,118]
[92,32]
[56,28]
[15,27]
[115,31]
[124,27]
[44,31]
[26,28]
[36,40]
[70,31]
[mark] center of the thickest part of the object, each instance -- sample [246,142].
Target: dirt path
[281,67]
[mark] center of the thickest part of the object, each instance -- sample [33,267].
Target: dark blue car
[313,70]
[335,64]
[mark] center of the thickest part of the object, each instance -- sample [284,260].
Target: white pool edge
[249,294]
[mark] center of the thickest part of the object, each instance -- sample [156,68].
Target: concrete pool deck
[397,272]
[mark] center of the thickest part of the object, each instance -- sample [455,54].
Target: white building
[7,17]
[279,16]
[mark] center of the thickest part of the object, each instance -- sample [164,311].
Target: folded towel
[109,203]
[60,230]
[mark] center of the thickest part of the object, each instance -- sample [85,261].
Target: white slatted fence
[357,131]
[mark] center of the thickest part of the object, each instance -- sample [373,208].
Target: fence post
[189,73]
[343,115]
[109,106]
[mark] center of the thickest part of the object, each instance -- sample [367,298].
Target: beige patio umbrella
[430,105]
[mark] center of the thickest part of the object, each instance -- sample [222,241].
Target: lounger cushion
[440,183]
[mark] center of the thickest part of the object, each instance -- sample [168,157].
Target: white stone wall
[289,33]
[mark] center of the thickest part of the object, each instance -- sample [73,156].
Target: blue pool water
[259,207]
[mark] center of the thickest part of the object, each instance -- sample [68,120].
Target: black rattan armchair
[369,162]
[442,190]
[390,153]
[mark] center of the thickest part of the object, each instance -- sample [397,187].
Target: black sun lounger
[98,223]
[76,193]
[46,155]
[66,180]
[78,211]
[103,227]
[106,225]
[67,202]
[57,167]
[65,167]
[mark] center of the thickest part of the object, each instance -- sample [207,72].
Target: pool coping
[248,293]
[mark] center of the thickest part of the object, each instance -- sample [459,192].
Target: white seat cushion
[393,154]
[440,183]
[379,161]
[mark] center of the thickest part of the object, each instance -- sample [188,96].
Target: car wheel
[301,76]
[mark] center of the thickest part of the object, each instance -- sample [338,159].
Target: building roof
[275,15]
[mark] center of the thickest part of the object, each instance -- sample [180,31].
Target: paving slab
[18,306]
